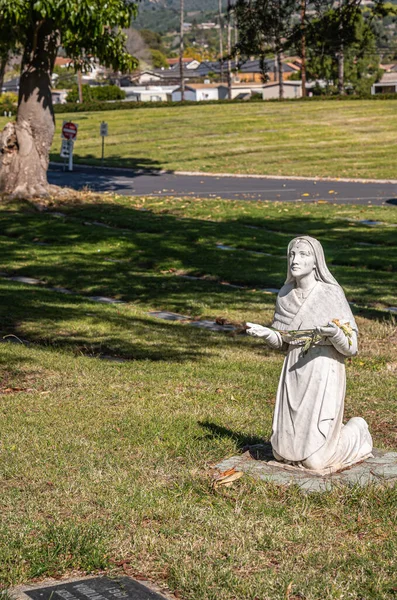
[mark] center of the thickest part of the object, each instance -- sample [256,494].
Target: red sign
[69,131]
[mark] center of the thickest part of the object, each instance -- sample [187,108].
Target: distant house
[292,89]
[252,71]
[206,67]
[11,86]
[59,96]
[387,85]
[388,67]
[188,63]
[94,71]
[173,76]
[208,25]
[144,77]
[63,62]
[197,92]
[249,71]
[240,91]
[149,93]
[193,64]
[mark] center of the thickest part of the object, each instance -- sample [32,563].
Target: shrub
[70,107]
[8,103]
[100,93]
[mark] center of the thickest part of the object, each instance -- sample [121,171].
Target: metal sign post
[103,132]
[67,153]
[69,134]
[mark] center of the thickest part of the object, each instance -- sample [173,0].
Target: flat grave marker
[97,588]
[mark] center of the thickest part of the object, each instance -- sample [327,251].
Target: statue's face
[301,259]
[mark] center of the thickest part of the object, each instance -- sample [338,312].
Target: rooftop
[388,78]
[60,61]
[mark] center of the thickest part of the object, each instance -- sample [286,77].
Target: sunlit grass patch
[334,139]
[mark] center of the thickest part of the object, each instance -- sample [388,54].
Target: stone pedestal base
[258,461]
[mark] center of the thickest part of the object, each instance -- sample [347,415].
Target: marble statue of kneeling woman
[308,431]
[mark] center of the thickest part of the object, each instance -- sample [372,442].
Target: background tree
[343,31]
[98,93]
[153,40]
[92,27]
[65,78]
[158,59]
[265,27]
[137,46]
[8,48]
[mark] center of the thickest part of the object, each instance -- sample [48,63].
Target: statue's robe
[307,425]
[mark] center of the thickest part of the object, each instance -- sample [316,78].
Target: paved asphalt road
[240,188]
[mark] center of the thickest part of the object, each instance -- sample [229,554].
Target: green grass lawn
[335,139]
[106,466]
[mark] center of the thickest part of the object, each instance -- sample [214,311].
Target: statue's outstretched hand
[271,337]
[257,330]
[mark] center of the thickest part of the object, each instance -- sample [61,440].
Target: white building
[197,92]
[149,93]
[387,85]
[208,25]
[147,77]
[59,96]
[292,89]
[242,91]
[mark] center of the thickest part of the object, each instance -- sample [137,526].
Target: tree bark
[303,46]
[280,74]
[3,64]
[80,85]
[25,144]
[220,39]
[229,50]
[341,71]
[181,50]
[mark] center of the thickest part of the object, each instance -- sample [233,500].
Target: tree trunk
[221,39]
[303,46]
[229,50]
[341,55]
[25,144]
[3,64]
[181,50]
[341,72]
[80,86]
[280,75]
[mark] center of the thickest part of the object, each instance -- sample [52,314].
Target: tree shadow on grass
[137,255]
[94,330]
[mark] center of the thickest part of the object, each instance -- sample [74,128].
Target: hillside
[163,15]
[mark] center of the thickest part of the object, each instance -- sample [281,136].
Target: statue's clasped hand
[330,330]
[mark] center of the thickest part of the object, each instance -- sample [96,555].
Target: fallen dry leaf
[227,478]
[221,320]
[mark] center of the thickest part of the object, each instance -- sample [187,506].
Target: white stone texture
[308,431]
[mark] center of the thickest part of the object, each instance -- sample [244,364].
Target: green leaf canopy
[84,27]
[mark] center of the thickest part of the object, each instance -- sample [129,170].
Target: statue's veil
[322,272]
